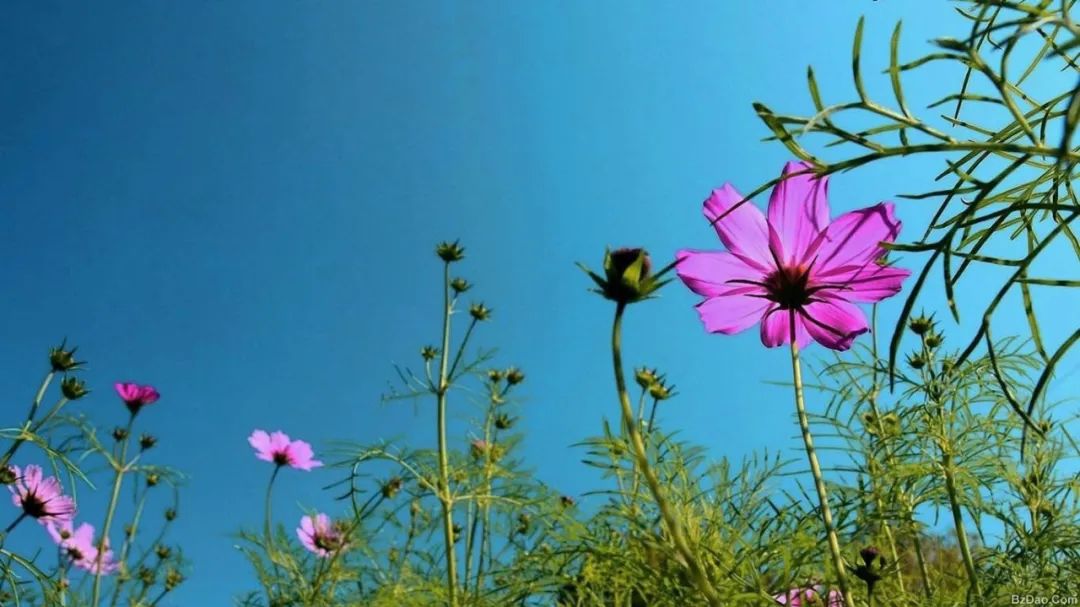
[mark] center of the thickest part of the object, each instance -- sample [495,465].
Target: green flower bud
[450,251]
[73,388]
[147,441]
[391,487]
[460,285]
[7,476]
[921,325]
[479,312]
[429,353]
[934,340]
[62,360]
[162,551]
[170,514]
[119,434]
[627,276]
[645,377]
[514,376]
[504,421]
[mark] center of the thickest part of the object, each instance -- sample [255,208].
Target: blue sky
[237,202]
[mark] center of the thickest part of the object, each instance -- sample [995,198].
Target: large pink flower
[78,545]
[39,497]
[135,396]
[806,597]
[319,535]
[792,266]
[277,448]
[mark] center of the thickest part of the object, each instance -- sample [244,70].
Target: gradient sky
[238,201]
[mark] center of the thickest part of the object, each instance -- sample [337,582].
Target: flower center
[788,286]
[281,458]
[34,506]
[326,541]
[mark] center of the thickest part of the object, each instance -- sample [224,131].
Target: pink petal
[711,273]
[853,241]
[127,390]
[776,329]
[260,441]
[731,314]
[834,323]
[872,283]
[742,230]
[279,441]
[799,209]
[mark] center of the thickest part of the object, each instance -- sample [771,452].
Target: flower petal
[834,322]
[853,241]
[873,283]
[776,329]
[740,226]
[731,314]
[716,273]
[799,209]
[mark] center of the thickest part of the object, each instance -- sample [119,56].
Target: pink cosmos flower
[277,448]
[135,396]
[793,265]
[79,546]
[806,597]
[320,536]
[39,497]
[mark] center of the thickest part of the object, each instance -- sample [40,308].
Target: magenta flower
[320,536]
[78,545]
[39,497]
[277,448]
[806,597]
[792,266]
[135,396]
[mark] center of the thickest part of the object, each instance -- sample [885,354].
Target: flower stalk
[815,469]
[120,466]
[446,500]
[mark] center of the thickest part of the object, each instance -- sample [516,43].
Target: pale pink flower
[39,497]
[277,448]
[78,545]
[809,597]
[320,536]
[792,265]
[135,396]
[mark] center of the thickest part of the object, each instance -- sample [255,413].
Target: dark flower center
[788,286]
[281,458]
[75,553]
[327,541]
[33,506]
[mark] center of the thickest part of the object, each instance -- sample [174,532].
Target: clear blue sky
[237,202]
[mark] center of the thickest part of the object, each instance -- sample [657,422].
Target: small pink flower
[39,497]
[320,536]
[135,396]
[277,448]
[793,266]
[79,546]
[807,597]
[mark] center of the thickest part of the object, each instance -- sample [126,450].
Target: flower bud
[661,392]
[62,360]
[429,352]
[514,376]
[456,532]
[73,388]
[567,502]
[450,251]
[868,554]
[173,578]
[129,530]
[478,449]
[162,551]
[934,340]
[7,476]
[504,421]
[170,514]
[460,285]
[147,441]
[119,434]
[916,361]
[921,325]
[479,312]
[146,576]
[152,479]
[627,276]
[495,376]
[523,523]
[391,487]
[645,377]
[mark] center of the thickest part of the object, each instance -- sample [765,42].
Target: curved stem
[445,499]
[815,469]
[673,523]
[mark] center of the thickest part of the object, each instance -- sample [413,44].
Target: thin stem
[29,419]
[129,539]
[673,523]
[445,499]
[14,523]
[815,469]
[120,465]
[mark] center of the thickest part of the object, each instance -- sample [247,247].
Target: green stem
[29,419]
[815,469]
[673,523]
[445,498]
[120,464]
[129,539]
